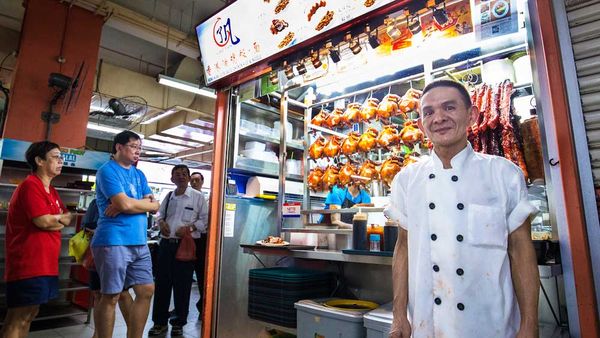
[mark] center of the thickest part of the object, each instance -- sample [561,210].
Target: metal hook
[553,162]
[389,90]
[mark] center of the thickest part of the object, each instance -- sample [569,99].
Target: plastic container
[253,145]
[523,73]
[496,71]
[247,125]
[379,321]
[375,229]
[317,320]
[374,242]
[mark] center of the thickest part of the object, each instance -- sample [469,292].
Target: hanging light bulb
[274,78]
[288,70]
[353,44]
[315,59]
[373,40]
[300,67]
[334,53]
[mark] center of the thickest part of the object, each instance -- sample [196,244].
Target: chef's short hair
[464,93]
[198,173]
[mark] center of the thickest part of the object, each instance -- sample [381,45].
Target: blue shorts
[121,267]
[31,291]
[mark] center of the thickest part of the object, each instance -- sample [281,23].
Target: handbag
[78,244]
[186,252]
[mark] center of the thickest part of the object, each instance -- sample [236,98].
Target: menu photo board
[495,18]
[249,31]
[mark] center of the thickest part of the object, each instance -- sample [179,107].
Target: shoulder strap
[167,205]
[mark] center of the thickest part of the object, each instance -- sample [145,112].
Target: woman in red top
[35,217]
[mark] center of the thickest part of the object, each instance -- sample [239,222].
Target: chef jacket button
[438,301]
[431,206]
[454,178]
[460,271]
[460,206]
[460,306]
[433,237]
[436,268]
[431,176]
[459,238]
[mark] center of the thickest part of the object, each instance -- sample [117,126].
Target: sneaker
[157,330]
[176,330]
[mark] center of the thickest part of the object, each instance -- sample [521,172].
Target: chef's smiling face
[445,116]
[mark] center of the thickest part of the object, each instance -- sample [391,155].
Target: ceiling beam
[185,139]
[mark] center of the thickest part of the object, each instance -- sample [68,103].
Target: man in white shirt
[183,210]
[196,182]
[464,265]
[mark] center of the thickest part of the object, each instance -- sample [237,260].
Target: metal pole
[283,110]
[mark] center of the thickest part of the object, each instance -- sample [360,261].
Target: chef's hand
[182,230]
[164,228]
[400,329]
[111,211]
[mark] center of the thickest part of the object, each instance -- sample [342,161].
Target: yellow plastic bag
[78,244]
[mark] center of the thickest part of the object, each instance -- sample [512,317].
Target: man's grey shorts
[121,267]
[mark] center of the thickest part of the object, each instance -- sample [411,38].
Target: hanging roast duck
[332,147]
[388,137]
[368,140]
[315,151]
[388,107]
[369,110]
[352,114]
[368,170]
[411,134]
[320,118]
[315,179]
[335,118]
[389,169]
[346,172]
[350,144]
[331,176]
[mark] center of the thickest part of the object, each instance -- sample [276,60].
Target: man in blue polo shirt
[343,198]
[119,245]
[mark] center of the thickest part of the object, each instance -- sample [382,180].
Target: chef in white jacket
[464,265]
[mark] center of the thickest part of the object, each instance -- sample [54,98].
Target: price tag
[292,209]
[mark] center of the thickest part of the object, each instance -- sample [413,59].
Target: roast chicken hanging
[368,140]
[368,171]
[389,169]
[388,107]
[315,151]
[369,110]
[320,118]
[332,147]
[410,100]
[350,144]
[335,118]
[315,179]
[411,134]
[331,176]
[346,172]
[351,114]
[388,137]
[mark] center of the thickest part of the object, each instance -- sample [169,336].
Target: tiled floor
[76,327]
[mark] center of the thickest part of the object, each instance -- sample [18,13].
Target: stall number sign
[249,31]
[291,209]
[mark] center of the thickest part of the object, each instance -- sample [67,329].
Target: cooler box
[379,321]
[317,320]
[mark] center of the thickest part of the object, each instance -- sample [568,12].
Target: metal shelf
[265,172]
[64,285]
[320,230]
[342,211]
[82,191]
[257,137]
[327,131]
[323,254]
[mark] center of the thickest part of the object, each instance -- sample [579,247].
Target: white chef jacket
[185,209]
[458,221]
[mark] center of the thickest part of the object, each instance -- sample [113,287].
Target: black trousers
[171,275]
[199,267]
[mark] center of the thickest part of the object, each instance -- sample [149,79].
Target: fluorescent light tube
[186,86]
[160,115]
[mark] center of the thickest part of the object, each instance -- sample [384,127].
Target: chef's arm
[124,204]
[336,218]
[525,276]
[400,275]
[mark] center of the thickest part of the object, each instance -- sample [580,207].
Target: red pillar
[55,38]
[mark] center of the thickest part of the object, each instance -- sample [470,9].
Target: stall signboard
[249,31]
[495,18]
[14,150]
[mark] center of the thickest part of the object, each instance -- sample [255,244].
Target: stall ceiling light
[161,115]
[186,86]
[107,129]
